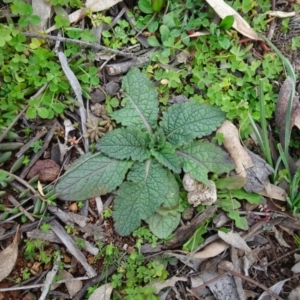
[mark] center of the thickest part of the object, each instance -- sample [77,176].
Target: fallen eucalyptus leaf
[8,257]
[102,293]
[234,239]
[224,10]
[212,250]
[73,286]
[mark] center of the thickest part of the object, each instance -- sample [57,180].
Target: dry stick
[3,135]
[281,257]
[234,273]
[81,43]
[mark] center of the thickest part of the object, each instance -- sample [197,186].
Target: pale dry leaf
[276,288]
[296,268]
[279,237]
[100,5]
[280,14]
[41,8]
[169,282]
[8,257]
[102,293]
[234,239]
[199,33]
[224,10]
[212,250]
[274,192]
[92,5]
[240,156]
[294,294]
[73,286]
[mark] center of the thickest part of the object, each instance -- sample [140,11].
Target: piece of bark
[258,174]
[183,233]
[238,153]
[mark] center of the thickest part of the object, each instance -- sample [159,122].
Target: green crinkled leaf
[200,158]
[167,157]
[162,226]
[139,198]
[185,121]
[166,219]
[250,197]
[141,103]
[90,176]
[240,222]
[125,143]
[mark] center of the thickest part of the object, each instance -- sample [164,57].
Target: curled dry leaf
[234,239]
[235,149]
[199,193]
[224,10]
[8,257]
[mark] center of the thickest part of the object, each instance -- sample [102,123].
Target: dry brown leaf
[8,257]
[235,149]
[212,250]
[102,293]
[274,192]
[169,282]
[234,239]
[224,10]
[73,286]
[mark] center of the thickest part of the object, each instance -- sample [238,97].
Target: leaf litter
[205,261]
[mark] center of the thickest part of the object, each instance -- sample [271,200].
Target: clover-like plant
[147,154]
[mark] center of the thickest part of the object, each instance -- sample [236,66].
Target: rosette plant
[141,157]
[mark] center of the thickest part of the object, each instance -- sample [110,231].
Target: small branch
[81,43]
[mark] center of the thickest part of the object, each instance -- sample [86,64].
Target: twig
[26,227]
[281,257]
[81,43]
[49,279]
